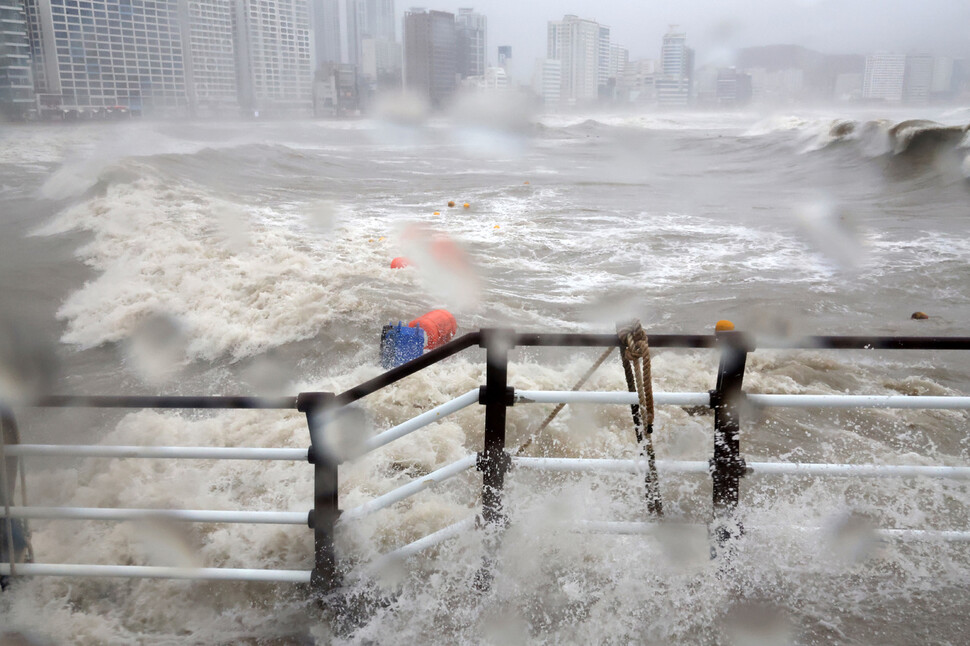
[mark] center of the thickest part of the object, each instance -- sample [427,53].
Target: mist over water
[253,258]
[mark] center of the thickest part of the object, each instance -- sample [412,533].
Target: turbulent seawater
[253,258]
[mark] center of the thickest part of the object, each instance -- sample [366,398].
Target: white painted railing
[158,572]
[567,465]
[157,452]
[181,515]
[578,465]
[786,401]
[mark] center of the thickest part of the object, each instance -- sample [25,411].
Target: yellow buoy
[723,325]
[436,213]
[496,226]
[467,205]
[919,316]
[451,202]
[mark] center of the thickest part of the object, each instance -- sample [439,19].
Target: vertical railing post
[323,519]
[12,544]
[493,461]
[727,465]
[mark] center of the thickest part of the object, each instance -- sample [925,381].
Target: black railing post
[323,519]
[493,461]
[727,466]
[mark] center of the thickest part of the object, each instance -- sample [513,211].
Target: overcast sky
[717,27]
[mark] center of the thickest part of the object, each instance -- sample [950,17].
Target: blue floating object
[400,344]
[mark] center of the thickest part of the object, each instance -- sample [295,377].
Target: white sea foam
[157,250]
[243,275]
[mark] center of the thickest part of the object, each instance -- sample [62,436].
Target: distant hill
[820,70]
[779,57]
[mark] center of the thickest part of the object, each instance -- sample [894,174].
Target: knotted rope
[636,366]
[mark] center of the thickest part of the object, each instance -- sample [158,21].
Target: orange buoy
[723,325]
[436,213]
[451,202]
[466,205]
[400,263]
[439,327]
[525,182]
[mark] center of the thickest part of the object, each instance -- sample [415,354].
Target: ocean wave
[237,281]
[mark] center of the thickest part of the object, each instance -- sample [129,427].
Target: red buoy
[400,263]
[438,325]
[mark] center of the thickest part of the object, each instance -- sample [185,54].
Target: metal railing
[726,467]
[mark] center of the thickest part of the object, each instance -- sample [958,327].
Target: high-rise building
[16,79]
[619,57]
[918,78]
[210,61]
[676,68]
[376,19]
[274,62]
[326,32]
[380,62]
[109,53]
[504,56]
[170,56]
[431,54]
[583,47]
[603,57]
[547,81]
[368,19]
[637,83]
[472,42]
[942,76]
[884,77]
[733,87]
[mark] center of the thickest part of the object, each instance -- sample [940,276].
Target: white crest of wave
[164,250]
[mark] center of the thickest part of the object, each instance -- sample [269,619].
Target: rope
[636,367]
[577,386]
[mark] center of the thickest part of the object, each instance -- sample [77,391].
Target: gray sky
[717,27]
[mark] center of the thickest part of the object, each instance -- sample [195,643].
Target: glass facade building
[170,57]
[100,53]
[16,80]
[275,61]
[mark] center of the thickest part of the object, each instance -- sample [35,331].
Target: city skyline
[719,32]
[214,56]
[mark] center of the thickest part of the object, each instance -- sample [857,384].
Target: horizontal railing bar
[158,572]
[859,401]
[164,452]
[411,488]
[868,343]
[164,401]
[640,527]
[765,400]
[751,341]
[612,340]
[422,420]
[521,339]
[573,465]
[580,465]
[409,550]
[859,470]
[181,515]
[610,397]
[407,369]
